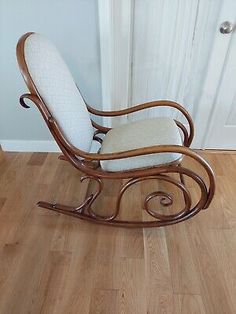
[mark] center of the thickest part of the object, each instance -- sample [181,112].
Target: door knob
[226,27]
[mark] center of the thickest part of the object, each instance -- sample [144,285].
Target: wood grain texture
[50,263]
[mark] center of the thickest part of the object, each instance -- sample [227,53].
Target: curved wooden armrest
[158,103]
[151,104]
[138,152]
[37,101]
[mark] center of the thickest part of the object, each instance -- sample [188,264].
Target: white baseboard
[29,146]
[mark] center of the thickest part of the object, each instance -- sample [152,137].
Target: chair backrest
[56,87]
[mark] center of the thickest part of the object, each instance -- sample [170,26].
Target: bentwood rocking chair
[150,149]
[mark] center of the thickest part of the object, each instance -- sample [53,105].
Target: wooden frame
[89,163]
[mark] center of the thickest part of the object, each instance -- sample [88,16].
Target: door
[221,133]
[171,49]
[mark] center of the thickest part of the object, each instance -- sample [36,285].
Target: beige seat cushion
[139,134]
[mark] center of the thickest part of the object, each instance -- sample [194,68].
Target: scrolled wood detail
[166,199]
[93,197]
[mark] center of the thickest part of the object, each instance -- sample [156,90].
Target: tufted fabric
[58,90]
[139,134]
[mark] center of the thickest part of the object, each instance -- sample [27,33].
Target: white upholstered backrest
[57,88]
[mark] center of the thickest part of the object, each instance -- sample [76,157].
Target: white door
[172,49]
[222,126]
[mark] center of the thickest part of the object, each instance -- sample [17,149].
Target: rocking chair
[150,149]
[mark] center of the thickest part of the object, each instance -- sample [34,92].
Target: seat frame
[89,164]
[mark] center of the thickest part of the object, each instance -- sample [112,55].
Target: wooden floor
[56,264]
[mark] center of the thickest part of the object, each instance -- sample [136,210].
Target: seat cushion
[139,134]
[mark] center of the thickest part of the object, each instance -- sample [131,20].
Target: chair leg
[182,180]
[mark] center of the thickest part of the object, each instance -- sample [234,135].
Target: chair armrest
[140,152]
[160,103]
[116,113]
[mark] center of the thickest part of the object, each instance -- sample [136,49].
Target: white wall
[72,25]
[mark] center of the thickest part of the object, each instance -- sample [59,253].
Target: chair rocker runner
[150,149]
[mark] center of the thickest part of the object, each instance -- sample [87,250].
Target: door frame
[115,20]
